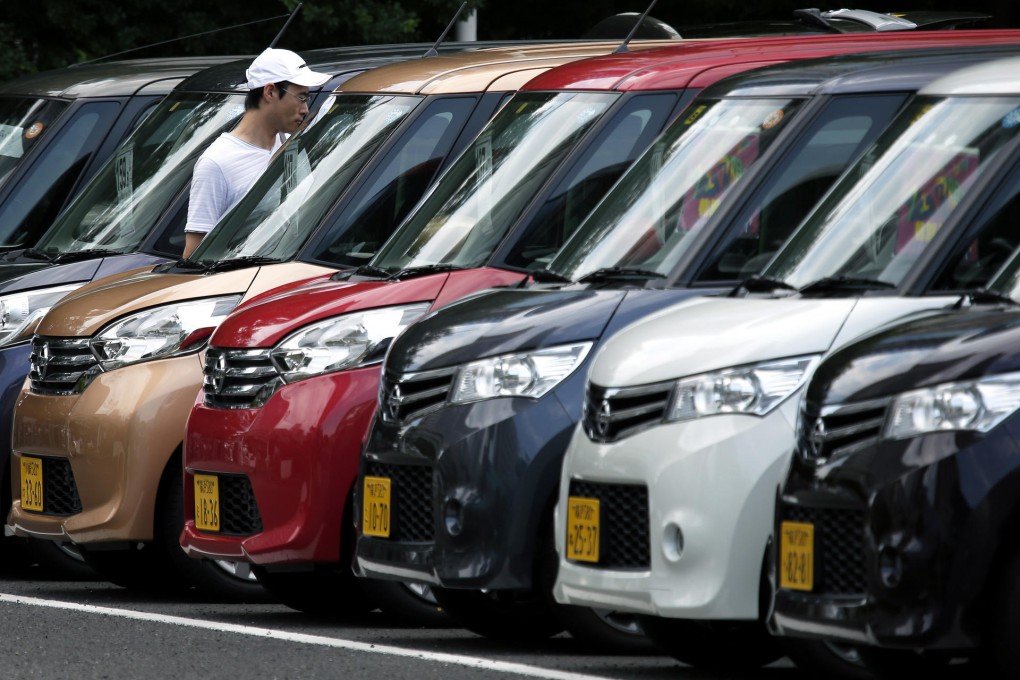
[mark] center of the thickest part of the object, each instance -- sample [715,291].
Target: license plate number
[796,556]
[31,484]
[583,531]
[376,509]
[207,502]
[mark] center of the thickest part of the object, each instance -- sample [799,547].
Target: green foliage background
[54,33]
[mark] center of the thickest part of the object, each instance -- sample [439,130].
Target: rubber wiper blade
[548,275]
[845,283]
[425,270]
[984,296]
[373,271]
[760,284]
[607,273]
[28,254]
[77,255]
[241,263]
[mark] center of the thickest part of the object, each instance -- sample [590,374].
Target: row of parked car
[698,346]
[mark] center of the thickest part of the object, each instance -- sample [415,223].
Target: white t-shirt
[223,174]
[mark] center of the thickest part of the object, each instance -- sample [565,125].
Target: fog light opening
[890,567]
[673,542]
[453,517]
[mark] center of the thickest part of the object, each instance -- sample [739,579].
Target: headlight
[19,312]
[752,390]
[528,374]
[343,342]
[979,405]
[159,332]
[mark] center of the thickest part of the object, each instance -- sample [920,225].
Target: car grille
[61,366]
[413,395]
[839,548]
[836,431]
[623,508]
[60,493]
[410,498]
[239,378]
[614,413]
[239,514]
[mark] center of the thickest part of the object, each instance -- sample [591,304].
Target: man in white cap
[277,103]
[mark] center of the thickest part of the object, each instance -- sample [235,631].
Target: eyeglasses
[303,98]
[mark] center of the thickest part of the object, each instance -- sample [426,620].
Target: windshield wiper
[241,263]
[548,275]
[845,283]
[424,270]
[984,296]
[760,284]
[28,253]
[607,273]
[77,255]
[373,271]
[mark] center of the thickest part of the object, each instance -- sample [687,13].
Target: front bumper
[299,453]
[907,538]
[472,490]
[116,438]
[711,480]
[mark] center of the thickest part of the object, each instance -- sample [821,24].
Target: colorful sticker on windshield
[916,223]
[1011,119]
[920,114]
[703,198]
[772,120]
[695,114]
[34,130]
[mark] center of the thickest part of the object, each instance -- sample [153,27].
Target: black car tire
[140,568]
[825,659]
[501,615]
[63,561]
[603,631]
[714,645]
[326,590]
[402,603]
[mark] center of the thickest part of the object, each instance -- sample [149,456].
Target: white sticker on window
[10,141]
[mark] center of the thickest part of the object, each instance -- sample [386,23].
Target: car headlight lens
[977,405]
[528,374]
[752,390]
[159,332]
[343,342]
[19,312]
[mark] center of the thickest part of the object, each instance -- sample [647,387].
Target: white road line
[469,661]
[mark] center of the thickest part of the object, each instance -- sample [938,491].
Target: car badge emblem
[219,374]
[817,439]
[602,419]
[393,403]
[44,356]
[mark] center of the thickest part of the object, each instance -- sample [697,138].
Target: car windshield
[23,123]
[119,207]
[674,188]
[286,204]
[887,209]
[468,213]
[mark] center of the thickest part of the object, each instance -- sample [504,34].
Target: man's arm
[191,241]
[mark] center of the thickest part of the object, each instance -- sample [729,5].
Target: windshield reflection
[23,123]
[674,188]
[304,180]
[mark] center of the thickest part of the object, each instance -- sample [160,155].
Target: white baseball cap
[273,66]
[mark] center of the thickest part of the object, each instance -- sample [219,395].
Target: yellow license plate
[796,556]
[207,502]
[583,529]
[31,484]
[375,520]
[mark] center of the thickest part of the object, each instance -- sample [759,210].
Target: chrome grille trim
[61,366]
[413,395]
[613,413]
[839,430]
[238,378]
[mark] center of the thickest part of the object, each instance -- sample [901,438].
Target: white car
[690,412]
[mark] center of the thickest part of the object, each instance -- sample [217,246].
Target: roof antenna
[433,52]
[623,47]
[197,35]
[297,10]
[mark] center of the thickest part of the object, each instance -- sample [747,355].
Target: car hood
[98,303]
[706,334]
[15,278]
[499,322]
[925,351]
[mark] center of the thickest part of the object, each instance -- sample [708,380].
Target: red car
[291,377]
